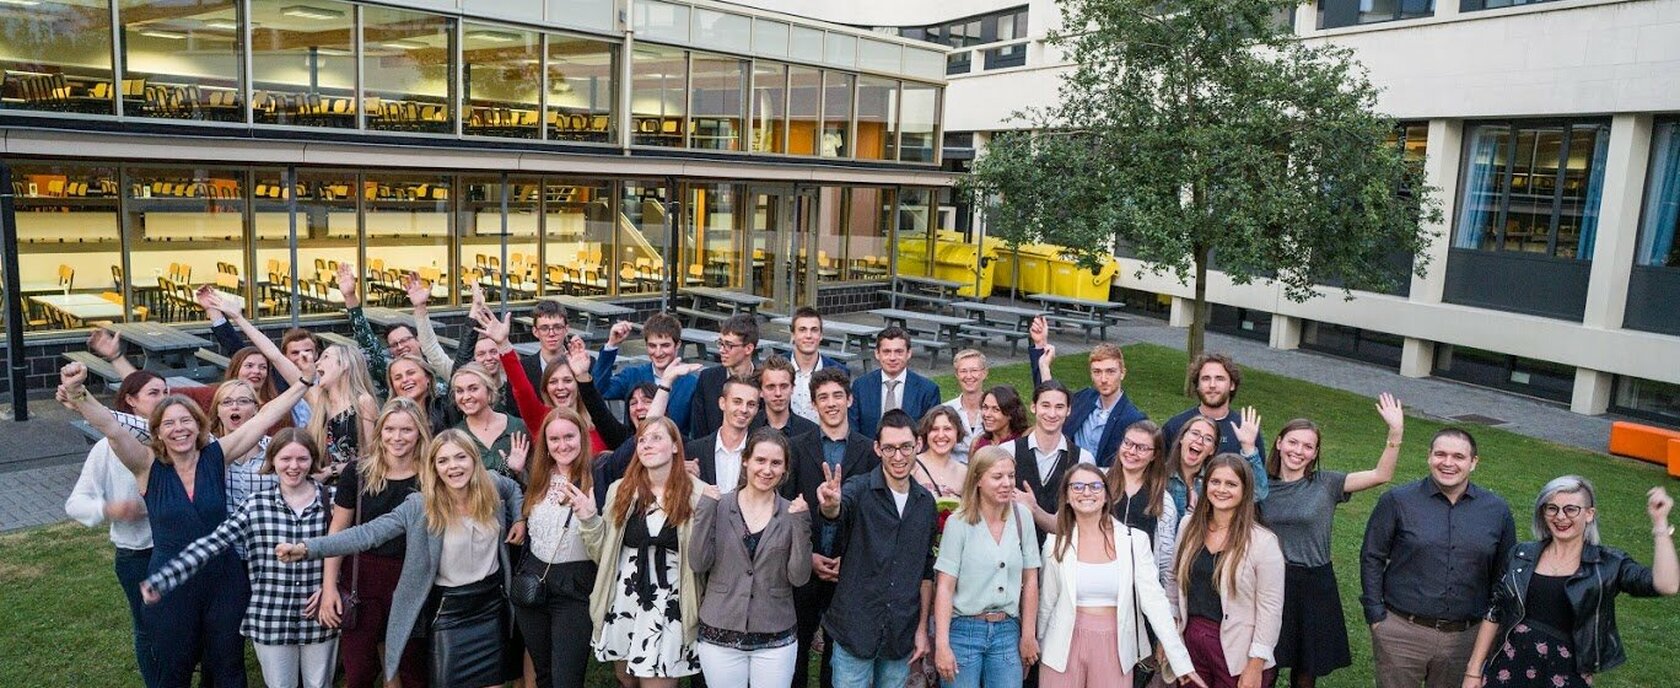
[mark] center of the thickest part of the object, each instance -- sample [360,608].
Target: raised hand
[418,291]
[519,448]
[1039,331]
[583,505]
[205,295]
[828,493]
[347,283]
[1046,356]
[1248,434]
[679,369]
[1392,414]
[619,331]
[105,344]
[218,302]
[477,295]
[798,506]
[1657,505]
[492,328]
[71,378]
[290,552]
[577,357]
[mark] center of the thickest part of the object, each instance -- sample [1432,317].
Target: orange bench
[1644,442]
[1674,458]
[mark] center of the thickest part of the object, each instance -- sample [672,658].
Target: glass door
[779,216]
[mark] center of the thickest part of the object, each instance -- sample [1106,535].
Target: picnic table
[592,318]
[167,350]
[939,332]
[80,308]
[935,293]
[1088,314]
[703,342]
[737,302]
[992,320]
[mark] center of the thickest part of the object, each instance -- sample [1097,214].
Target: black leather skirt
[469,635]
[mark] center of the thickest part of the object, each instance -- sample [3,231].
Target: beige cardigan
[603,538]
[1253,611]
[1141,600]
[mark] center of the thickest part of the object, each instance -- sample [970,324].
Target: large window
[502,75]
[69,244]
[1533,188]
[853,226]
[406,226]
[877,121]
[56,57]
[186,227]
[657,101]
[804,109]
[715,94]
[1334,13]
[581,97]
[642,228]
[327,232]
[995,27]
[1472,5]
[303,64]
[1661,220]
[408,70]
[919,121]
[716,236]
[1649,399]
[181,59]
[769,96]
[481,226]
[578,225]
[837,115]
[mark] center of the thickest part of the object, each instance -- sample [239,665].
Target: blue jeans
[851,671]
[988,653]
[131,571]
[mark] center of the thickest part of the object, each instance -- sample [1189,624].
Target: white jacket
[1056,608]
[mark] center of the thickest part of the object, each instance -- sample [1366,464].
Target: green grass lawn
[63,620]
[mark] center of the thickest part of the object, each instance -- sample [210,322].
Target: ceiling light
[224,24]
[403,45]
[332,52]
[493,36]
[307,12]
[160,33]
[21,3]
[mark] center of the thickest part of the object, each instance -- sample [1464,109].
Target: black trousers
[557,634]
[810,601]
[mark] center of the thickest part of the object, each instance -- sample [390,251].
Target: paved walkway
[40,458]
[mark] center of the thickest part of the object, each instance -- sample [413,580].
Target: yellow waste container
[1031,273]
[1067,278]
[913,255]
[964,262]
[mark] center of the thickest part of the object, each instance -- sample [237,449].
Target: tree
[1202,133]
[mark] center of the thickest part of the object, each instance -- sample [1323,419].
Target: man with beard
[1100,413]
[1215,379]
[716,458]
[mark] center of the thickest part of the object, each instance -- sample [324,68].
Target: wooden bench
[934,347]
[213,358]
[97,367]
[983,334]
[939,303]
[696,315]
[1643,442]
[1064,320]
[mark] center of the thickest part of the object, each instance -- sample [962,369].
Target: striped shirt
[279,591]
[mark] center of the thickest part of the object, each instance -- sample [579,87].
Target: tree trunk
[1199,309]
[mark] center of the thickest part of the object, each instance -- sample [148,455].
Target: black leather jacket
[1604,572]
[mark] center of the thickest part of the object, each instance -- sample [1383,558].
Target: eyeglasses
[1128,445]
[1199,436]
[905,449]
[550,328]
[1086,488]
[233,403]
[726,345]
[402,341]
[1569,511]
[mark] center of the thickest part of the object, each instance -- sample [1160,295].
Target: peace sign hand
[583,506]
[828,493]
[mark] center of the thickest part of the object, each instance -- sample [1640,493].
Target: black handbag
[349,601]
[529,589]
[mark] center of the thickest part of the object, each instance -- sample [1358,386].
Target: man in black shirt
[1432,554]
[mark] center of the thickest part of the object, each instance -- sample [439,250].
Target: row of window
[105,241]
[346,66]
[1338,13]
[993,27]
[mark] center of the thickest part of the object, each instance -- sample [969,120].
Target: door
[777,232]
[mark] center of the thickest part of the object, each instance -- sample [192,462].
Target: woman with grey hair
[1554,608]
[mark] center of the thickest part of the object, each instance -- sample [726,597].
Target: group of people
[410,518]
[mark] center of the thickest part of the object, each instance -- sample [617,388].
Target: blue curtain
[1478,199]
[1595,196]
[1662,199]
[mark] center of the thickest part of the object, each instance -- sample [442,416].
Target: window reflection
[641,229]
[408,80]
[303,65]
[837,115]
[69,245]
[920,118]
[181,59]
[804,109]
[769,95]
[186,227]
[1662,200]
[326,234]
[715,95]
[877,125]
[56,56]
[502,75]
[657,100]
[579,227]
[714,244]
[581,96]
[1533,188]
[481,258]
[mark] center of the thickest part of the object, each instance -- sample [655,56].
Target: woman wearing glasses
[1097,598]
[1196,441]
[1300,509]
[1553,610]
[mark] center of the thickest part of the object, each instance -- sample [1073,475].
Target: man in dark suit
[892,385]
[548,324]
[775,392]
[716,458]
[806,337]
[1100,413]
[836,444]
[737,344]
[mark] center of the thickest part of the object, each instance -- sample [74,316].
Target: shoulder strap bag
[349,601]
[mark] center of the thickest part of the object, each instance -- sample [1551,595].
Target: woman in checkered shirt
[292,645]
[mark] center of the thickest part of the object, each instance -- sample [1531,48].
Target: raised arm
[228,339]
[108,345]
[73,393]
[378,359]
[1040,353]
[362,538]
[418,294]
[284,366]
[1665,569]
[1395,418]
[239,442]
[662,395]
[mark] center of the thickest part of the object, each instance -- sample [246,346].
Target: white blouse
[469,552]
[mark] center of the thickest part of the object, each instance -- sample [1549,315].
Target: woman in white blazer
[1099,586]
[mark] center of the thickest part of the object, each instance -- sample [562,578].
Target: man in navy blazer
[1100,413]
[912,393]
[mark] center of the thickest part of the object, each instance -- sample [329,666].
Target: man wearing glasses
[1045,454]
[1433,551]
[548,324]
[737,345]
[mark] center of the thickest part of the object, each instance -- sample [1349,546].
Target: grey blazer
[420,560]
[749,593]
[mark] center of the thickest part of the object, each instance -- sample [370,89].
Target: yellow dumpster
[1030,272]
[964,262]
[913,255]
[1067,278]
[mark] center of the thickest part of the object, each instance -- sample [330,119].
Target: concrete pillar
[1592,392]
[1183,312]
[1286,332]
[1417,357]
[1440,170]
[1618,223]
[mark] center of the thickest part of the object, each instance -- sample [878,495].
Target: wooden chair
[66,277]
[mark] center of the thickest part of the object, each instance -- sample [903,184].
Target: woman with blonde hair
[646,601]
[557,626]
[985,606]
[501,438]
[342,410]
[359,598]
[1188,453]
[1226,585]
[235,402]
[454,569]
[1101,594]
[410,376]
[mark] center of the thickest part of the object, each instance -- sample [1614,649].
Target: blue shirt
[1090,434]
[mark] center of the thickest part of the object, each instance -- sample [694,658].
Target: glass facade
[1661,219]
[1648,399]
[344,65]
[1471,5]
[1533,188]
[1336,13]
[968,32]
